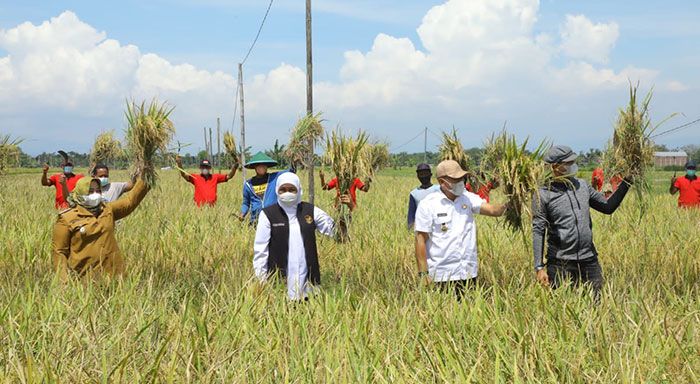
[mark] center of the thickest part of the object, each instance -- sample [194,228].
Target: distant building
[664,159]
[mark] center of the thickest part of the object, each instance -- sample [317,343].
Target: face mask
[205,172]
[104,181]
[425,180]
[288,198]
[67,169]
[92,200]
[457,188]
[572,170]
[690,172]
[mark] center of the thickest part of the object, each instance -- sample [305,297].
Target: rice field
[189,311]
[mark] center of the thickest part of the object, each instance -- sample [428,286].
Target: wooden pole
[240,86]
[310,96]
[218,143]
[206,144]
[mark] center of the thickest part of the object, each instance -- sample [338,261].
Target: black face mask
[425,180]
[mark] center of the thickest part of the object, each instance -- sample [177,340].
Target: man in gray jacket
[562,219]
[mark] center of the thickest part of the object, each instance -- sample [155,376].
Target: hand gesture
[178,161]
[426,280]
[46,168]
[62,179]
[345,199]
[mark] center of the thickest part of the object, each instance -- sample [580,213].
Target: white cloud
[582,39]
[477,60]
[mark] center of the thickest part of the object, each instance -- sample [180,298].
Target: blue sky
[565,92]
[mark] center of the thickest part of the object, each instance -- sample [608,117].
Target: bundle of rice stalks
[631,150]
[148,133]
[9,152]
[452,149]
[307,131]
[346,158]
[106,149]
[377,156]
[521,173]
[232,153]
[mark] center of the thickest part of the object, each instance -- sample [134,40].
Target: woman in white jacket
[285,239]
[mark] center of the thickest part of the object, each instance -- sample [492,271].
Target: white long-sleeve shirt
[297,271]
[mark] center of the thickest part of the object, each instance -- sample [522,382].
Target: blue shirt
[414,198]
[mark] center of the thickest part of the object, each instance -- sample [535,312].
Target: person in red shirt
[689,187]
[55,181]
[484,190]
[206,183]
[356,184]
[597,179]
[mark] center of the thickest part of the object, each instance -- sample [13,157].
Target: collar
[425,187]
[691,178]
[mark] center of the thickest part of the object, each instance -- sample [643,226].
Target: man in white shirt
[446,231]
[111,191]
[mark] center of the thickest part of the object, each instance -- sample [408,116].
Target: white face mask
[93,199]
[572,169]
[457,188]
[104,181]
[288,198]
[205,171]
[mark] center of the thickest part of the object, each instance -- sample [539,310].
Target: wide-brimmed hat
[260,158]
[451,169]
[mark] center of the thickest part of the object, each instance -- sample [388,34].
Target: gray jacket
[563,217]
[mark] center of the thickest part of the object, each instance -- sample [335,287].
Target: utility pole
[211,148]
[425,146]
[206,143]
[218,142]
[310,96]
[240,86]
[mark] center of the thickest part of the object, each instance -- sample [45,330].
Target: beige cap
[450,168]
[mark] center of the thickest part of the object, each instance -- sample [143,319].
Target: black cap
[690,164]
[205,164]
[560,154]
[423,167]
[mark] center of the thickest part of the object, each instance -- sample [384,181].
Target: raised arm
[123,206]
[44,178]
[185,175]
[673,189]
[598,201]
[231,174]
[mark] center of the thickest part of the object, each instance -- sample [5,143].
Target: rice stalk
[347,159]
[106,149]
[307,131]
[149,130]
[630,152]
[233,155]
[452,149]
[520,172]
[377,156]
[9,152]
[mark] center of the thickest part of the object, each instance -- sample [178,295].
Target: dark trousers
[457,286]
[587,272]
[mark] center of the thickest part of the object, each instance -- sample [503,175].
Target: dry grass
[148,133]
[520,172]
[306,133]
[9,152]
[452,149]
[233,155]
[377,156]
[106,149]
[347,158]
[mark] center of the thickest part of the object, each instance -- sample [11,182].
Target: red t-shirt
[597,179]
[484,191]
[357,183]
[55,180]
[689,191]
[205,189]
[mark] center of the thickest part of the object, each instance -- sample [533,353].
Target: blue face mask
[690,172]
[67,169]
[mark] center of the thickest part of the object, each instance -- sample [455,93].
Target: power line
[408,142]
[675,129]
[258,34]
